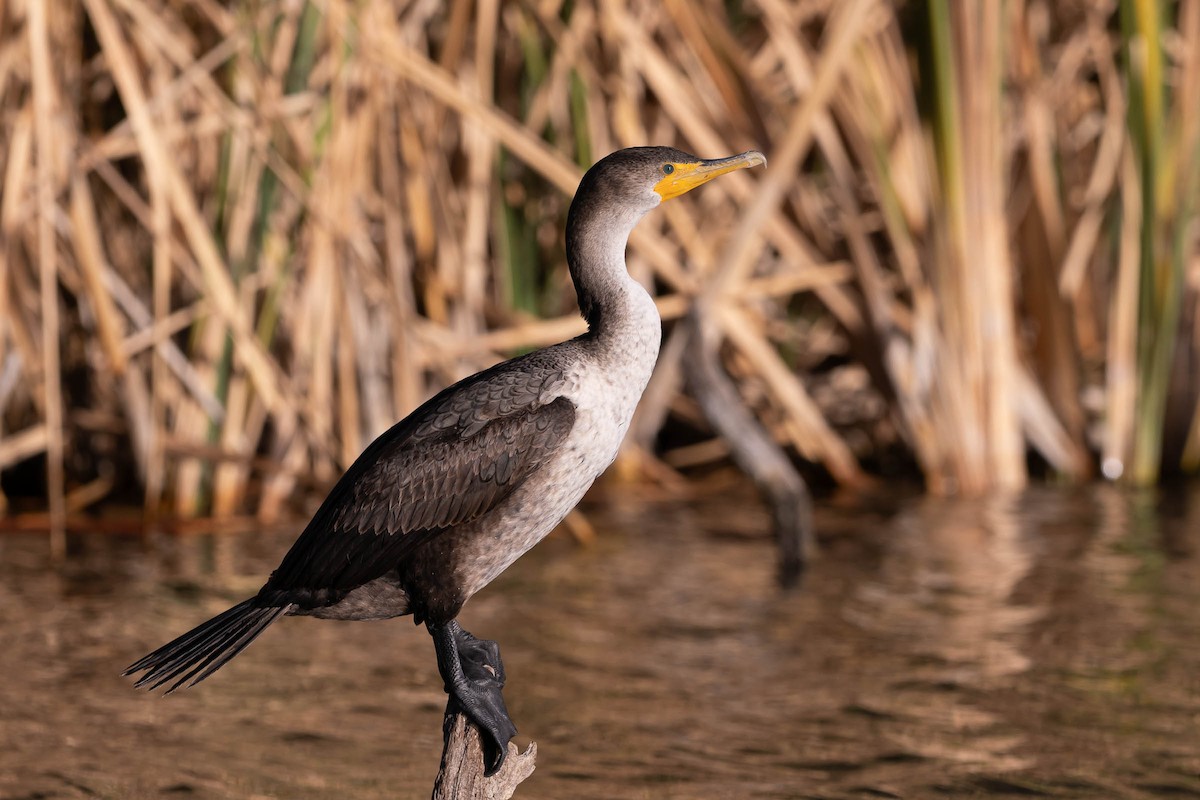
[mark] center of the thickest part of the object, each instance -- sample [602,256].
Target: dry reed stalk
[480,151]
[89,253]
[6,359]
[1122,339]
[673,87]
[21,446]
[874,110]
[161,279]
[827,448]
[46,134]
[150,335]
[1189,122]
[987,242]
[153,150]
[739,254]
[670,307]
[1054,351]
[816,440]
[191,423]
[369,201]
[1104,171]
[979,438]
[406,378]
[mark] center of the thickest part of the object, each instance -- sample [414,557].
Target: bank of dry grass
[255,236]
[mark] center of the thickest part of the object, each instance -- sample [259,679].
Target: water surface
[1046,645]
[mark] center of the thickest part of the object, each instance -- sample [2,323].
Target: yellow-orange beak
[688,175]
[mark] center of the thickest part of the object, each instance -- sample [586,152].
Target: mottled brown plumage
[442,502]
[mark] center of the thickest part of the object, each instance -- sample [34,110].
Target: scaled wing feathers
[454,459]
[448,479]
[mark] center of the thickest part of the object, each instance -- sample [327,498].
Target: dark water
[1040,646]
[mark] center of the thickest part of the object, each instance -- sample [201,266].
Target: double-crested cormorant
[441,503]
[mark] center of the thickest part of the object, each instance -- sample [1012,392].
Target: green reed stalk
[1161,261]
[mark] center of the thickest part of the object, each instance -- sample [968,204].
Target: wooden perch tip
[461,774]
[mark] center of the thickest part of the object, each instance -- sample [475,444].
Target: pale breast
[605,399]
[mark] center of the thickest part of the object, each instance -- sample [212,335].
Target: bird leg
[474,675]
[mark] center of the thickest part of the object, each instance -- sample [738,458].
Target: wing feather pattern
[448,463]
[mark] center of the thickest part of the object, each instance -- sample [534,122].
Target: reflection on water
[1042,645]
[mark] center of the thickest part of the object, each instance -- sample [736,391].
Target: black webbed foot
[480,658]
[484,704]
[474,676]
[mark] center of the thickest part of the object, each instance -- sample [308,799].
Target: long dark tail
[203,650]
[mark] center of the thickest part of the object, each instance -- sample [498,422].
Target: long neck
[609,299]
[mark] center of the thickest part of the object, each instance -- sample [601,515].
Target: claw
[474,675]
[481,654]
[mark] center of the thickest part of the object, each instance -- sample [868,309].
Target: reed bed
[239,241]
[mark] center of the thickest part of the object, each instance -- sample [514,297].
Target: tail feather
[206,648]
[197,639]
[196,657]
[245,638]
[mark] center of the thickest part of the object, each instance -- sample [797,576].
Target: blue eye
[668,168]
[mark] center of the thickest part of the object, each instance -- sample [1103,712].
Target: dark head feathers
[626,175]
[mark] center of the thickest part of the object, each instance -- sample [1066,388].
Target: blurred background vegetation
[239,240]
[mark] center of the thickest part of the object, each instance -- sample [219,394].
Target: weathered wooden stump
[461,774]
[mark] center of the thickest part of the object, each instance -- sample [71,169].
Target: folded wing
[449,463]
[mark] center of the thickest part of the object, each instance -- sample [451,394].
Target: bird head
[642,177]
[614,195]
